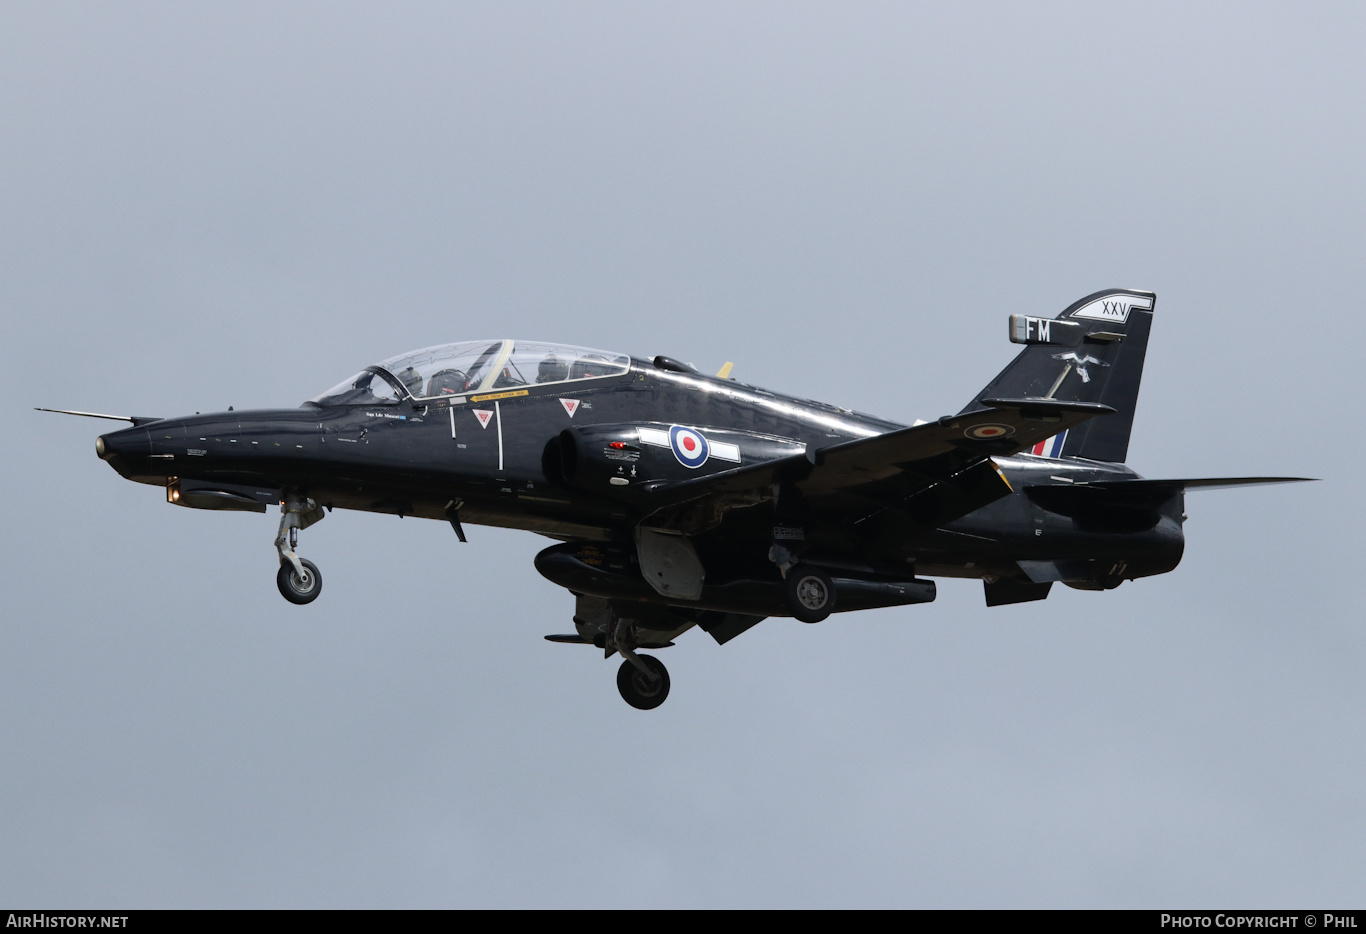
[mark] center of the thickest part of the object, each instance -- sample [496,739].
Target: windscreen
[368,387]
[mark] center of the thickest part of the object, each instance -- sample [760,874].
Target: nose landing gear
[642,679]
[298,578]
[643,682]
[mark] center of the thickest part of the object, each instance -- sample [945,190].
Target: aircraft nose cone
[123,450]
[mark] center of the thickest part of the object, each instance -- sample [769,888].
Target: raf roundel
[689,446]
[989,432]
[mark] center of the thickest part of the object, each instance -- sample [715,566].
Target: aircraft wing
[946,446]
[936,471]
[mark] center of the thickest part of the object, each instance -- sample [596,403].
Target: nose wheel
[643,682]
[299,589]
[642,679]
[298,578]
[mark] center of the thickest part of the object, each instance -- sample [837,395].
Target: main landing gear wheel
[295,590]
[810,593]
[639,689]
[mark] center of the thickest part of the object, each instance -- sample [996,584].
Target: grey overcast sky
[239,204]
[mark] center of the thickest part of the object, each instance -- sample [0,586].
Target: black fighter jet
[684,500]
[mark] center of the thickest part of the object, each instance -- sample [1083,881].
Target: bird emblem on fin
[1079,363]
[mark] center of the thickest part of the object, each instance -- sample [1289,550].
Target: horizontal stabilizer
[1204,483]
[1039,406]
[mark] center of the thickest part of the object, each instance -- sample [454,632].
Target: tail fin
[1092,352]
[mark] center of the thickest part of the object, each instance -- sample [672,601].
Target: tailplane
[1092,352]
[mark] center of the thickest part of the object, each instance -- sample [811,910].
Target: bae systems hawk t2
[682,500]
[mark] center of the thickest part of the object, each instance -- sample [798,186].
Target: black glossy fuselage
[498,457]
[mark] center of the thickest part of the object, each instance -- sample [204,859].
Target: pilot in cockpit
[591,365]
[413,380]
[447,383]
[552,370]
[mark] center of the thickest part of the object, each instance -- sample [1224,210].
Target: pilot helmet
[412,379]
[552,370]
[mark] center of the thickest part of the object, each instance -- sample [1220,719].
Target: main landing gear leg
[642,679]
[808,590]
[298,578]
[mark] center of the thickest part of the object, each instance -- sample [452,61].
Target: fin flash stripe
[1050,447]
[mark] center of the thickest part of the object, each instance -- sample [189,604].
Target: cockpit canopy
[445,370]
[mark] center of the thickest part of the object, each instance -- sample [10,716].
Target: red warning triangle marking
[483,415]
[570,405]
